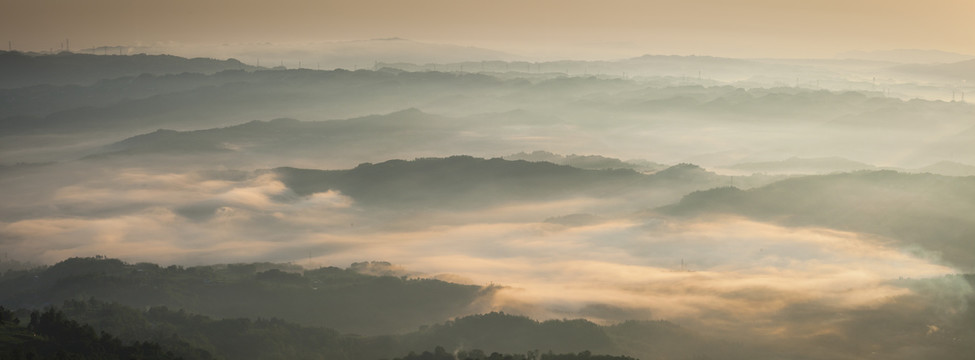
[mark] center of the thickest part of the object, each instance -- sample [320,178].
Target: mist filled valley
[651,207]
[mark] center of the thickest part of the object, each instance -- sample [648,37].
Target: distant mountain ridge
[354,54]
[18,69]
[457,181]
[409,129]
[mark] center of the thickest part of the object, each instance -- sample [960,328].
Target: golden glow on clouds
[739,271]
[785,28]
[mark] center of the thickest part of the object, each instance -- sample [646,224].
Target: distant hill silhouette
[18,69]
[411,128]
[146,103]
[458,181]
[465,181]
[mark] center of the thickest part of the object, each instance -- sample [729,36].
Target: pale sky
[576,28]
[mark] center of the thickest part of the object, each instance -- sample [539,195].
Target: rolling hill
[929,211]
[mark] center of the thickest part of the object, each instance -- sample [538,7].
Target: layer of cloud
[721,274]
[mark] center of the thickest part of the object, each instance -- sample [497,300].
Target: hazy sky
[590,29]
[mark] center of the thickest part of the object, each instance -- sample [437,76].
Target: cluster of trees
[7,316]
[161,333]
[51,335]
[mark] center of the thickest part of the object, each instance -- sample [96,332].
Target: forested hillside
[327,297]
